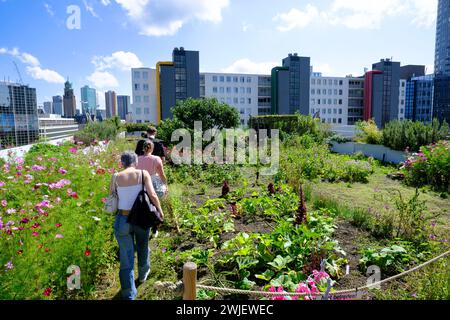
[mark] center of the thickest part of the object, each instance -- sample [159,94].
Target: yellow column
[158,87]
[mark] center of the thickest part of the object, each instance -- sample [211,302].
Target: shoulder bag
[112,202]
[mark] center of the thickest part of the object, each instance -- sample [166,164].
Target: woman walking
[154,166]
[128,184]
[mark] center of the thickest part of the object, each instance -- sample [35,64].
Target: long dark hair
[140,148]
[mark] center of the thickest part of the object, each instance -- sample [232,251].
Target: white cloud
[45,74]
[106,2]
[296,18]
[166,17]
[357,14]
[34,68]
[250,67]
[120,59]
[103,79]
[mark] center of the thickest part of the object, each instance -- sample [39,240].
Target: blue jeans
[130,237]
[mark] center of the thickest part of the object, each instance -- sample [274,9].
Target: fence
[188,287]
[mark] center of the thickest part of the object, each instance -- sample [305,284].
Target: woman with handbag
[127,185]
[154,166]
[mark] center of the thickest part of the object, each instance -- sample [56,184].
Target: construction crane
[18,72]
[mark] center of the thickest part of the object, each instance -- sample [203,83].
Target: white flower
[96,218]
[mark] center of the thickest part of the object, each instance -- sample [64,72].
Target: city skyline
[357,34]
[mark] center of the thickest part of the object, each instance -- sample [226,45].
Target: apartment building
[144,106]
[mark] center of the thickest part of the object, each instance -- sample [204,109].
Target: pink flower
[280,290]
[58,225]
[59,236]
[19,161]
[35,226]
[4,203]
[35,234]
[104,200]
[73,150]
[52,159]
[48,292]
[2,184]
[38,168]
[58,200]
[24,220]
[11,211]
[9,265]
[62,171]
[72,194]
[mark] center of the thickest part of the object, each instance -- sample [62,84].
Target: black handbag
[144,213]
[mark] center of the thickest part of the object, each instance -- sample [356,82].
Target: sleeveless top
[148,163]
[127,195]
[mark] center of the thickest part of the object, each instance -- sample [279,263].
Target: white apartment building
[144,106]
[237,90]
[402,100]
[329,98]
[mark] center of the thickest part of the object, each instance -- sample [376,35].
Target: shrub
[95,131]
[391,260]
[407,134]
[431,166]
[135,127]
[368,132]
[292,125]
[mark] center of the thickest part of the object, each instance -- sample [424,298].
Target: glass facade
[419,99]
[19,123]
[88,100]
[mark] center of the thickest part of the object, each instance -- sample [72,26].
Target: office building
[52,127]
[88,100]
[111,104]
[291,86]
[441,98]
[57,105]
[264,94]
[237,90]
[144,107]
[18,115]
[69,101]
[177,80]
[48,108]
[419,98]
[123,105]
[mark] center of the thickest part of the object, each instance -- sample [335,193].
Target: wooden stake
[190,281]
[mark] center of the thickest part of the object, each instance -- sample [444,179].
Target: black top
[158,149]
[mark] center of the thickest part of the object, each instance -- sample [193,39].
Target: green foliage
[431,166]
[391,260]
[97,131]
[407,134]
[368,132]
[135,127]
[211,112]
[292,125]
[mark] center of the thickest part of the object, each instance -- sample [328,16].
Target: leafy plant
[390,260]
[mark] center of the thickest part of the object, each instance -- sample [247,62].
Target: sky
[97,42]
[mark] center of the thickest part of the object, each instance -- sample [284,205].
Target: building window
[242,101]
[329,101]
[329,111]
[146,99]
[214,89]
[335,111]
[228,79]
[319,81]
[145,87]
[249,79]
[242,90]
[236,90]
[137,75]
[136,86]
[222,90]
[146,110]
[313,91]
[313,81]
[137,99]
[249,90]
[214,78]
[228,89]
[340,101]
[138,110]
[335,82]
[222,79]
[340,92]
[242,111]
[145,75]
[242,79]
[229,100]
[235,79]
[334,120]
[340,111]
[330,92]
[324,111]
[341,82]
[235,100]
[339,120]
[249,100]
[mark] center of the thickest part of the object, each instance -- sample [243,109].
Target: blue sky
[252,36]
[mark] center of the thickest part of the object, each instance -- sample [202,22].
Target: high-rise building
[144,107]
[237,90]
[58,105]
[111,104]
[123,105]
[264,94]
[19,124]
[70,103]
[88,100]
[441,104]
[442,50]
[48,109]
[419,98]
[177,80]
[291,86]
[381,92]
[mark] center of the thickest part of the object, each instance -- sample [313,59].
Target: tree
[211,112]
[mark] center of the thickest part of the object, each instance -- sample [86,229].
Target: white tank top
[127,195]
